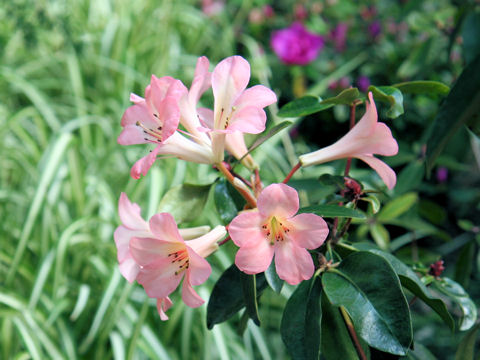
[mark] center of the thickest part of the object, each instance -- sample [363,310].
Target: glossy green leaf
[336,340]
[456,292]
[373,201]
[272,278]
[301,321]
[423,87]
[397,207]
[346,97]
[333,211]
[224,202]
[410,177]
[461,107]
[471,40]
[466,348]
[185,202]
[391,96]
[304,106]
[464,264]
[367,286]
[227,296]
[412,282]
[250,296]
[419,352]
[332,180]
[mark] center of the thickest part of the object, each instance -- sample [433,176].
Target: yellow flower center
[275,230]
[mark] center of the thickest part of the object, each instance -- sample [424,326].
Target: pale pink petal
[159,283]
[229,78]
[122,236]
[202,80]
[307,230]
[163,305]
[368,121]
[249,120]
[278,200]
[206,117]
[255,258]
[136,99]
[246,229]
[384,143]
[129,269]
[131,133]
[189,296]
[293,264]
[151,252]
[383,170]
[169,114]
[144,164]
[186,149]
[199,269]
[161,88]
[130,214]
[257,96]
[235,145]
[207,244]
[164,227]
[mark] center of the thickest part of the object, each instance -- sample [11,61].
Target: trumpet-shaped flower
[273,229]
[156,255]
[366,138]
[235,107]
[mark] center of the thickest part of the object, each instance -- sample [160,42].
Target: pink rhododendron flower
[155,254]
[274,229]
[295,45]
[235,107]
[366,138]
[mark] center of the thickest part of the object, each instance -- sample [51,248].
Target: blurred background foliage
[66,71]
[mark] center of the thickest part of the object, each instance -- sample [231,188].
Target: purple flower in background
[374,29]
[363,83]
[339,36]
[442,174]
[295,45]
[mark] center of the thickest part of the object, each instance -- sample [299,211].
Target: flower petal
[293,263]
[163,305]
[190,296]
[278,200]
[164,227]
[202,80]
[257,96]
[129,269]
[254,258]
[383,170]
[131,133]
[130,214]
[246,229]
[159,283]
[144,164]
[250,120]
[207,244]
[307,230]
[151,252]
[199,269]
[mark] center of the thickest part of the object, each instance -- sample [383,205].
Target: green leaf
[185,202]
[380,235]
[346,97]
[301,321]
[470,31]
[466,348]
[336,341]
[224,202]
[304,106]
[419,352]
[410,177]
[391,96]
[272,278]
[412,282]
[423,87]
[250,296]
[461,106]
[374,203]
[262,138]
[456,292]
[333,211]
[464,264]
[366,285]
[227,296]
[332,180]
[397,207]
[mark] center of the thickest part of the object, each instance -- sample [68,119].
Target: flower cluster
[160,256]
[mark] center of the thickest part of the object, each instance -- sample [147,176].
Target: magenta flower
[339,36]
[363,82]
[366,138]
[156,255]
[375,29]
[295,45]
[273,229]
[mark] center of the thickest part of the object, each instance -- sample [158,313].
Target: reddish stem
[293,171]
[224,240]
[251,201]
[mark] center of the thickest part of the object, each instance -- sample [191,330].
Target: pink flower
[273,229]
[155,119]
[296,45]
[366,138]
[156,255]
[235,107]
